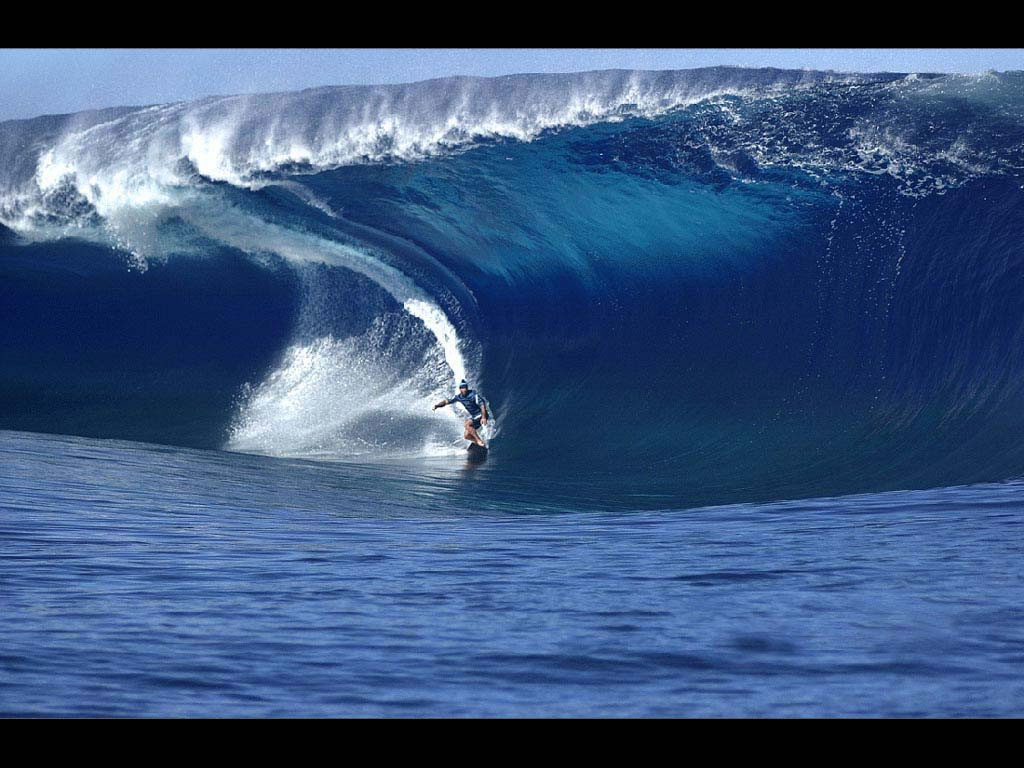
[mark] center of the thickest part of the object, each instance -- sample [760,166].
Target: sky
[55,81]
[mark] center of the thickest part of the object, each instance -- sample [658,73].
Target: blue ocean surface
[141,580]
[752,343]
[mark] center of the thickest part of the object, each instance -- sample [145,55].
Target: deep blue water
[141,580]
[753,341]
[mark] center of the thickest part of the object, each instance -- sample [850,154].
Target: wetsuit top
[470,401]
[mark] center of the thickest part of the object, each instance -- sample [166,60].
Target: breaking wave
[758,283]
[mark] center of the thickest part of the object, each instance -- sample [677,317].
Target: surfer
[475,406]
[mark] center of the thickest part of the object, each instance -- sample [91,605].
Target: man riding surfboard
[475,406]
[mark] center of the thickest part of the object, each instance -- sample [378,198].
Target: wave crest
[140,157]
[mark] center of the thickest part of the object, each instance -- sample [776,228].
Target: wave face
[707,285]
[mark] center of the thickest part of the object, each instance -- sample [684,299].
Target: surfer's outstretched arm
[442,404]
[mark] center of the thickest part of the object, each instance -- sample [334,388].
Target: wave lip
[74,170]
[59,169]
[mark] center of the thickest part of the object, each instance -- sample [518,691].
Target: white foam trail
[347,397]
[341,398]
[438,324]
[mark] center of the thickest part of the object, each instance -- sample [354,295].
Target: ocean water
[753,341]
[141,580]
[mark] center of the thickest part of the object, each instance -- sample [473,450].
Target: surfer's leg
[472,435]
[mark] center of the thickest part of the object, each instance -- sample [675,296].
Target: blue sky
[48,81]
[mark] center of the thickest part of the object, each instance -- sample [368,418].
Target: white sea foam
[341,398]
[365,395]
[142,157]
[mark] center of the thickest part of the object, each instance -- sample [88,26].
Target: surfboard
[476,452]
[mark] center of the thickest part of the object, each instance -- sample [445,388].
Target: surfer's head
[463,385]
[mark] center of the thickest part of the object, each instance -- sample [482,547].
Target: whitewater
[752,340]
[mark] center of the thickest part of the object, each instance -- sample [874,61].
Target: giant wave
[706,285]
